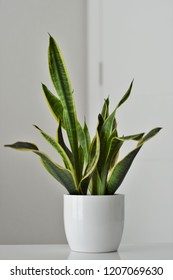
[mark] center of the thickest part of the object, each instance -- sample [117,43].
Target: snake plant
[89,166]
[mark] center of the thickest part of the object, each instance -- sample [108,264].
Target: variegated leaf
[54,104]
[83,186]
[26,146]
[62,175]
[121,168]
[59,149]
[63,87]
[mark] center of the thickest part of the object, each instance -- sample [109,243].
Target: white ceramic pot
[94,223]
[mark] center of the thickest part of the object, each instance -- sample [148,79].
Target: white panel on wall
[135,40]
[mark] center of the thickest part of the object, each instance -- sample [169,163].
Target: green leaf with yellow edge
[81,157]
[57,110]
[62,175]
[60,140]
[82,141]
[54,103]
[59,149]
[105,133]
[25,146]
[126,95]
[63,87]
[111,155]
[96,186]
[120,170]
[105,109]
[87,136]
[135,137]
[106,129]
[149,135]
[94,156]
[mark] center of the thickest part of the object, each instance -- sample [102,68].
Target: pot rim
[91,195]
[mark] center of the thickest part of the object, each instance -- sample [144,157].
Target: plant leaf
[54,104]
[26,146]
[113,149]
[62,175]
[119,172]
[105,109]
[57,109]
[135,137]
[105,134]
[59,149]
[63,87]
[82,141]
[126,95]
[98,184]
[100,123]
[121,168]
[87,136]
[81,157]
[107,126]
[149,135]
[60,140]
[92,165]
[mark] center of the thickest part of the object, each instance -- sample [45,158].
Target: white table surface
[63,252]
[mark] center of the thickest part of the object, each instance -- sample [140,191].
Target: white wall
[134,39]
[31,200]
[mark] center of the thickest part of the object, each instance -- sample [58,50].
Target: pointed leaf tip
[149,135]
[126,95]
[36,126]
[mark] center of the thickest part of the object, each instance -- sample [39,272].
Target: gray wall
[31,200]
